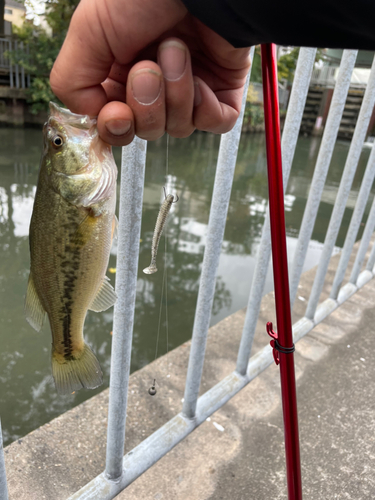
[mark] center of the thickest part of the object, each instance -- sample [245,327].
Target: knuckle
[54,81]
[151,127]
[149,135]
[179,133]
[218,126]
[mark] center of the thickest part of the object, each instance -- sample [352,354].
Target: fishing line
[165,251]
[167,159]
[159,322]
[152,390]
[166,287]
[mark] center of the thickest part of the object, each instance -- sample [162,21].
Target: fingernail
[118,127]
[197,94]
[172,59]
[146,86]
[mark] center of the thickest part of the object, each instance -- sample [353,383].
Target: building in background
[14,15]
[320,94]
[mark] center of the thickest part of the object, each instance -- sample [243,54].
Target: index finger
[82,65]
[100,33]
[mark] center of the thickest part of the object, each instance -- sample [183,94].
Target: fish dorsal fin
[105,297]
[34,311]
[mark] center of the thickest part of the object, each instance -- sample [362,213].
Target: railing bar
[28,74]
[129,230]
[350,168]
[292,125]
[22,70]
[153,448]
[11,82]
[371,260]
[3,476]
[365,241]
[216,225]
[363,195]
[16,67]
[322,165]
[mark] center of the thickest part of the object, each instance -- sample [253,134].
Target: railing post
[371,260]
[129,230]
[219,208]
[368,178]
[365,241]
[350,168]
[322,164]
[292,125]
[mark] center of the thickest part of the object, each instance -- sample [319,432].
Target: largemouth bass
[71,232]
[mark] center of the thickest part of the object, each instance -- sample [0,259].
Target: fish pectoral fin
[34,311]
[105,297]
[83,232]
[114,228]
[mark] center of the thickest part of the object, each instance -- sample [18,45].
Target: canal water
[27,396]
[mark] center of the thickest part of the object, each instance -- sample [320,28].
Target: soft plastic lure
[159,226]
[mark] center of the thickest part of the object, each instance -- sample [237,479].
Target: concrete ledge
[239,452]
[7,92]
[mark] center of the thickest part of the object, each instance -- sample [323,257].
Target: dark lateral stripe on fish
[70,278]
[68,347]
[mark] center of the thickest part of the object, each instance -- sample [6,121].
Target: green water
[27,395]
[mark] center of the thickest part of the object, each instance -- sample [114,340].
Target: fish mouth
[65,116]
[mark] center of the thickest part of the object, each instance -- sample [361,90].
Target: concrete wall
[14,109]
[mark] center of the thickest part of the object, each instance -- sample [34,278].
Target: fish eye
[57,141]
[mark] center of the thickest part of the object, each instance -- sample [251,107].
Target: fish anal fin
[78,372]
[34,310]
[105,297]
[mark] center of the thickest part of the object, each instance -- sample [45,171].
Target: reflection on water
[28,398]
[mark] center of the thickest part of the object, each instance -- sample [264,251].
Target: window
[8,11]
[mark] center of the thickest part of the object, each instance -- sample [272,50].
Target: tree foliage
[43,50]
[286,64]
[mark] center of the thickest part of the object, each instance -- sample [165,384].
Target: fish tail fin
[151,269]
[80,371]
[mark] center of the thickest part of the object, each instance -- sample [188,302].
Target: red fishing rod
[282,341]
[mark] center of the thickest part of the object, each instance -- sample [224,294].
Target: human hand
[107,68]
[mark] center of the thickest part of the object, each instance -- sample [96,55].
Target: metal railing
[17,77]
[121,470]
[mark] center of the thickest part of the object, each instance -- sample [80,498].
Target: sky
[33,9]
